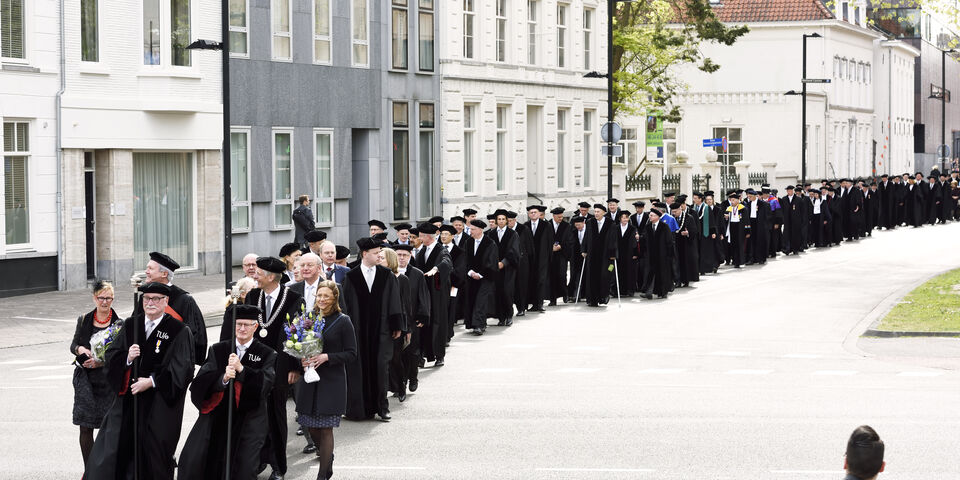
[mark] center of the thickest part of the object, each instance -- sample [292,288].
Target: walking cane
[136,280]
[234,298]
[583,265]
[616,277]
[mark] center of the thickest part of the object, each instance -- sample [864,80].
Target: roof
[743,11]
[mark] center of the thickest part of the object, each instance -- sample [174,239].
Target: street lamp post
[803,109]
[224,49]
[943,109]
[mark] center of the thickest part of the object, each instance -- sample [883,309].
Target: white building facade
[518,121]
[141,134]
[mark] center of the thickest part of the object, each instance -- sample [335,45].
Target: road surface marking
[631,470]
[19,362]
[522,345]
[663,371]
[919,374]
[835,373]
[52,377]
[727,353]
[494,370]
[60,320]
[657,350]
[578,370]
[809,472]
[589,348]
[747,371]
[37,387]
[371,467]
[44,367]
[804,356]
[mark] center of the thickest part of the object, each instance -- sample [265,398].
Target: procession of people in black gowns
[398,312]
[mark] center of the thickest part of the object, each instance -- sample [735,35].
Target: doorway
[534,150]
[90,210]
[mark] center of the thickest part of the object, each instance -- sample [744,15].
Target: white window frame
[588,15]
[274,201]
[532,27]
[563,125]
[99,35]
[318,37]
[27,246]
[317,200]
[245,31]
[432,12]
[471,109]
[274,34]
[503,151]
[503,30]
[563,15]
[588,153]
[628,144]
[27,11]
[166,48]
[246,131]
[470,18]
[354,42]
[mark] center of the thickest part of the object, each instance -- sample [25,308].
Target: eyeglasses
[105,299]
[246,325]
[153,299]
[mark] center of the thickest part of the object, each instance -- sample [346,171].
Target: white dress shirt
[270,299]
[623,229]
[533,226]
[310,293]
[150,325]
[580,235]
[753,209]
[476,246]
[369,274]
[243,347]
[500,234]
[816,206]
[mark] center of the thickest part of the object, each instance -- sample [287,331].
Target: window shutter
[11,28]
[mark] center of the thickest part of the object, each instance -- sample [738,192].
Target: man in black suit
[435,263]
[276,302]
[508,256]
[525,242]
[481,265]
[758,213]
[579,243]
[559,257]
[458,277]
[538,284]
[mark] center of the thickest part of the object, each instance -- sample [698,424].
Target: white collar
[314,284]
[147,319]
[245,346]
[368,269]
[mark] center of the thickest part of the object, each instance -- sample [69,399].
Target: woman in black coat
[92,395]
[321,404]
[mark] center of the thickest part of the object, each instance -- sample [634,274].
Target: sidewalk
[51,317]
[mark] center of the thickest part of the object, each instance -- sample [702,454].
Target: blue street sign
[713,142]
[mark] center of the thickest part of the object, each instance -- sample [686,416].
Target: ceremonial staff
[234,297]
[616,277]
[136,280]
[583,265]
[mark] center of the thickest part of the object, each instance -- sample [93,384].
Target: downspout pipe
[61,276]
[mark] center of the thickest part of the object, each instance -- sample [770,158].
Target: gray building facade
[323,105]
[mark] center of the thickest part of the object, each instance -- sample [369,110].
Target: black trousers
[274,451]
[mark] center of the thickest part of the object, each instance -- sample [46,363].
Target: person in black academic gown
[481,254]
[538,287]
[913,203]
[602,244]
[508,256]
[371,295]
[758,216]
[707,223]
[525,242]
[157,376]
[406,364]
[277,303]
[579,244]
[252,367]
[660,253]
[559,257]
[458,276]
[437,267]
[181,304]
[736,217]
[627,254]
[687,240]
[793,210]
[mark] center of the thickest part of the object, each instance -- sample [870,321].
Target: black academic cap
[789,187]
[377,223]
[669,194]
[599,206]
[500,211]
[164,260]
[814,190]
[435,219]
[367,243]
[558,211]
[774,191]
[682,198]
[660,205]
[583,205]
[155,287]
[656,211]
[469,211]
[733,195]
[622,213]
[315,236]
[414,232]
[708,193]
[247,312]
[491,216]
[271,264]
[289,248]
[380,237]
[931,177]
[403,226]
[764,190]
[675,205]
[449,229]
[427,228]
[511,214]
[751,191]
[479,224]
[342,252]
[457,218]
[698,194]
[578,219]
[639,203]
[613,200]
[403,247]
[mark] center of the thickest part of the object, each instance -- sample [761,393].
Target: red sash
[173,313]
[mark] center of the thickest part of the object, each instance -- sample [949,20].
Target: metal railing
[634,183]
[671,183]
[701,183]
[729,181]
[756,179]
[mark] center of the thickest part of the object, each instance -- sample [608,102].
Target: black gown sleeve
[394,311]
[115,358]
[256,382]
[209,380]
[422,294]
[176,370]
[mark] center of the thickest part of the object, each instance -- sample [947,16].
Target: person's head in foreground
[864,458]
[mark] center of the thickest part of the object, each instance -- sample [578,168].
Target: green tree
[652,37]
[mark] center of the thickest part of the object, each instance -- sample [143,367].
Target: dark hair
[101,285]
[864,452]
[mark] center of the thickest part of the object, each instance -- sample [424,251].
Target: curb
[893,334]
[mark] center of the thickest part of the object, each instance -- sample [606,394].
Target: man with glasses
[181,305]
[150,360]
[250,265]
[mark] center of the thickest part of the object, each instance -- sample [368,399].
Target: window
[469,147]
[501,30]
[11,29]
[151,32]
[630,147]
[282,178]
[562,115]
[867,74]
[322,18]
[426,35]
[16,152]
[469,19]
[502,147]
[426,167]
[359,33]
[587,37]
[561,35]
[532,32]
[836,67]
[588,148]
[163,217]
[239,46]
[240,180]
[845,7]
[280,13]
[401,161]
[180,32]
[399,40]
[89,31]
[734,151]
[323,165]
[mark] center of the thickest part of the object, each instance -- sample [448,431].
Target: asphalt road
[751,374]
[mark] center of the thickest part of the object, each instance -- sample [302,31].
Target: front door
[90,225]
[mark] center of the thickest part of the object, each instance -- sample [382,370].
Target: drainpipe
[61,280]
[889,107]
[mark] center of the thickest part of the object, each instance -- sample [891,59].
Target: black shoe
[275,475]
[421,363]
[591,304]
[415,383]
[648,296]
[508,323]
[402,397]
[438,363]
[384,416]
[310,449]
[477,332]
[553,303]
[300,431]
[502,323]
[522,314]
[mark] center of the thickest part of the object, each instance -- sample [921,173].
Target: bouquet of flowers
[101,340]
[305,339]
